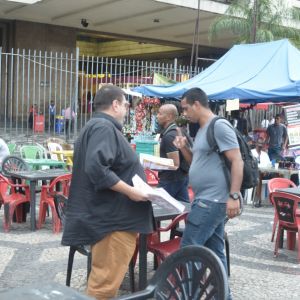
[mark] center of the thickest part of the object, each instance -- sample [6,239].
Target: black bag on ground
[250,173]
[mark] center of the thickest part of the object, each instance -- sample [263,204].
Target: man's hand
[137,195]
[180,140]
[233,208]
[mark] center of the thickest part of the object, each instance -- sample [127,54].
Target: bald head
[170,109]
[167,114]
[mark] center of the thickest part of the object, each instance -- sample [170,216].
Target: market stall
[252,73]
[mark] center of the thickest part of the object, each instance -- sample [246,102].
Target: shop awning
[261,72]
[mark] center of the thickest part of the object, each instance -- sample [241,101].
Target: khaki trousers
[110,259]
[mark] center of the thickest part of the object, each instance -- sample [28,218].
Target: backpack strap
[184,133]
[210,135]
[211,140]
[173,126]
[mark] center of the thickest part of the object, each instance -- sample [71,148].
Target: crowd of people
[106,211]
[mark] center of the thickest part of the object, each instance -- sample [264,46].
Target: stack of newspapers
[156,163]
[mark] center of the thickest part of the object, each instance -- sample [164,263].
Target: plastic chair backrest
[55,147]
[43,149]
[175,222]
[285,207]
[191,194]
[13,187]
[60,202]
[13,163]
[192,272]
[3,188]
[151,177]
[31,151]
[12,147]
[279,183]
[154,238]
[61,185]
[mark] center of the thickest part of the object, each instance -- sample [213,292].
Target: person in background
[264,123]
[234,118]
[33,111]
[277,138]
[272,120]
[4,151]
[52,113]
[69,118]
[175,182]
[214,198]
[261,155]
[242,123]
[104,210]
[247,137]
[263,161]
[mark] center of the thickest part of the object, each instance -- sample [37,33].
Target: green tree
[254,21]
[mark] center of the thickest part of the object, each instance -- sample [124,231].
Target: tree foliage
[254,21]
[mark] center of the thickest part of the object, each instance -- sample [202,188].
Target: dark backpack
[250,173]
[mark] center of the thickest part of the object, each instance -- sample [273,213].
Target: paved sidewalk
[31,257]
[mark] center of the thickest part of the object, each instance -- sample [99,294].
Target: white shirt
[68,113]
[4,151]
[263,159]
[264,123]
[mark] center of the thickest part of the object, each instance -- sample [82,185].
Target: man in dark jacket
[104,209]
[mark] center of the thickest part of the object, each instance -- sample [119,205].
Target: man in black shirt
[104,209]
[174,182]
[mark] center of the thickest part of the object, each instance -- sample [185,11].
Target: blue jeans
[274,153]
[177,189]
[205,227]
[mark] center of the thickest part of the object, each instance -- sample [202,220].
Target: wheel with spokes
[13,163]
[192,273]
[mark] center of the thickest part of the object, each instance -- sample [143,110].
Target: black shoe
[257,204]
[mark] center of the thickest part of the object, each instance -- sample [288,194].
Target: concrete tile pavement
[31,257]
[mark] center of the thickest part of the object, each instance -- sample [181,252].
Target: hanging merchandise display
[145,114]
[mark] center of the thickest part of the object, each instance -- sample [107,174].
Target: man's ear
[196,104]
[115,105]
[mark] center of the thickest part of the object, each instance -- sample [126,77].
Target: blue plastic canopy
[251,72]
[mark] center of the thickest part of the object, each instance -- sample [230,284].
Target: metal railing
[31,79]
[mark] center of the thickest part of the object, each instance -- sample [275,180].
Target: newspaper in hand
[158,196]
[156,163]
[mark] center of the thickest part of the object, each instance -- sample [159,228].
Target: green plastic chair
[32,151]
[12,147]
[46,153]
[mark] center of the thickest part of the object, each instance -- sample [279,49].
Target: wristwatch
[235,196]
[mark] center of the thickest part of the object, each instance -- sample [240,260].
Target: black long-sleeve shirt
[103,157]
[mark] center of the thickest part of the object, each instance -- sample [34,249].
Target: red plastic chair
[288,214]
[273,185]
[154,245]
[59,185]
[151,177]
[12,200]
[191,194]
[163,249]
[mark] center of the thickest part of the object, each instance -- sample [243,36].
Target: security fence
[51,94]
